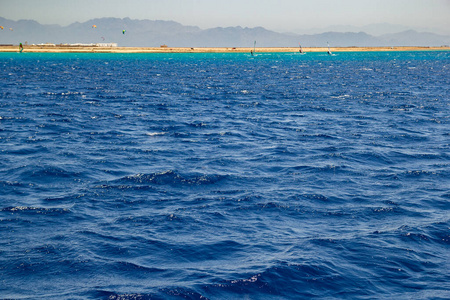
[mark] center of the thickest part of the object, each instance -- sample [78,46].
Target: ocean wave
[42,174]
[303,280]
[171,177]
[218,176]
[37,210]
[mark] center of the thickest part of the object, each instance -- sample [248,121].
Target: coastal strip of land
[99,49]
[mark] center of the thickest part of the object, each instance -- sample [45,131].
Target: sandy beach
[97,49]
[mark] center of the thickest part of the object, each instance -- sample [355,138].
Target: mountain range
[150,33]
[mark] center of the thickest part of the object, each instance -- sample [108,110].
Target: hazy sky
[278,15]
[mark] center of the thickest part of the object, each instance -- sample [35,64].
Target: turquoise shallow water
[224,176]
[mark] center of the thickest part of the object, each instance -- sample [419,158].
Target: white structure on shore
[83,45]
[77,45]
[106,44]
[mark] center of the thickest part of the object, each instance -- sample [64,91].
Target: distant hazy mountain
[372,29]
[416,38]
[147,33]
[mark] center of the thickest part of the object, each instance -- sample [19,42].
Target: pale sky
[278,15]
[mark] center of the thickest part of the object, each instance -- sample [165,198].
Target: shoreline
[98,49]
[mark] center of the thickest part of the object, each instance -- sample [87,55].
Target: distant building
[106,44]
[81,45]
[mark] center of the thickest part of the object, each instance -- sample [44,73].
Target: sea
[225,175]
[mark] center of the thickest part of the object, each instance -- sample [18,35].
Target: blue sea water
[225,176]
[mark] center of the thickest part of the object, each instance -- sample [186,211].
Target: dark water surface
[225,176]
